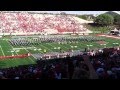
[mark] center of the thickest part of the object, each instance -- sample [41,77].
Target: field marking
[11,52]
[28,51]
[11,46]
[60,46]
[53,45]
[25,49]
[37,50]
[49,44]
[34,56]
[45,47]
[77,44]
[65,46]
[17,53]
[22,48]
[2,51]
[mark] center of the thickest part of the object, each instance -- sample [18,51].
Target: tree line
[107,19]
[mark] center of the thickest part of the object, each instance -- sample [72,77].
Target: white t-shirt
[100,50]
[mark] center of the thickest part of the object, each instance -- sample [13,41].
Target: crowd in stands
[106,63]
[66,68]
[27,22]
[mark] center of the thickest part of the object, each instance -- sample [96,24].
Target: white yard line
[52,46]
[12,48]
[2,51]
[46,47]
[37,50]
[28,51]
[59,45]
[23,48]
[34,56]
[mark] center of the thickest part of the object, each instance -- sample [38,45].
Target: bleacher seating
[24,22]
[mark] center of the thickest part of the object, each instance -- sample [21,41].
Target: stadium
[32,42]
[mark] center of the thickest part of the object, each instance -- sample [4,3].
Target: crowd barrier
[15,56]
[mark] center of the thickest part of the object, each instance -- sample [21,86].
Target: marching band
[26,41]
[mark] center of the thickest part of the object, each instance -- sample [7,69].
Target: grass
[98,29]
[49,47]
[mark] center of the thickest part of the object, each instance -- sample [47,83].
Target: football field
[6,49]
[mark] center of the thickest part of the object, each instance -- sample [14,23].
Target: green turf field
[6,48]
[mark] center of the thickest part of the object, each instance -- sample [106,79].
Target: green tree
[104,20]
[117,19]
[83,17]
[112,13]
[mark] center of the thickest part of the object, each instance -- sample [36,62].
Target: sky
[78,12]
